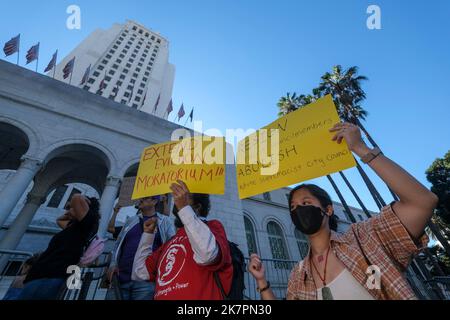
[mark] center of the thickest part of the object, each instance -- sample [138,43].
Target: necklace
[326,292]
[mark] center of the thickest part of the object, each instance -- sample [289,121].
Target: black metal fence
[94,286]
[277,273]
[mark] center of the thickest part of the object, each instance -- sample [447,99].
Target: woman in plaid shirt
[367,261]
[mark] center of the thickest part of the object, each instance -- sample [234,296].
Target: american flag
[68,69]
[169,108]
[181,112]
[85,75]
[116,90]
[52,62]
[131,94]
[102,84]
[12,46]
[33,53]
[157,102]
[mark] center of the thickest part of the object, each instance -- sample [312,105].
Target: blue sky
[234,59]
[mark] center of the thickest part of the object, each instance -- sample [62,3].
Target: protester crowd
[186,256]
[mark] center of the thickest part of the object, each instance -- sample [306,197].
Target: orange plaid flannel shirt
[382,241]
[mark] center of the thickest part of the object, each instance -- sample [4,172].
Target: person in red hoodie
[184,267]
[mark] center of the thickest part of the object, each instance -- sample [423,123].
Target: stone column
[107,203]
[17,185]
[17,229]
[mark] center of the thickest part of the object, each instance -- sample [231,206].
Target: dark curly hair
[323,197]
[204,202]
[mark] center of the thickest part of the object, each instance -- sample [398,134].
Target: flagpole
[18,50]
[184,125]
[37,60]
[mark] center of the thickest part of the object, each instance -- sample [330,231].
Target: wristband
[264,289]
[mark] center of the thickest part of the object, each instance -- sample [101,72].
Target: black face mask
[307,219]
[178,222]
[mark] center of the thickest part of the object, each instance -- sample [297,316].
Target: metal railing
[94,284]
[277,273]
[14,263]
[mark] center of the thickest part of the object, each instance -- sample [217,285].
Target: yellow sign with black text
[198,161]
[305,150]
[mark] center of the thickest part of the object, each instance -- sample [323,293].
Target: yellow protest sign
[305,150]
[198,161]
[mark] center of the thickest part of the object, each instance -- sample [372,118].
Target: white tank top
[345,287]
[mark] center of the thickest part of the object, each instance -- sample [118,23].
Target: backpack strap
[219,284]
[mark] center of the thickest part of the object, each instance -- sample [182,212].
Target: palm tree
[287,104]
[345,88]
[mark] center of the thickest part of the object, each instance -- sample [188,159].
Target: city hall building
[57,139]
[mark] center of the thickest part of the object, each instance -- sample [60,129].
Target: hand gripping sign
[292,149]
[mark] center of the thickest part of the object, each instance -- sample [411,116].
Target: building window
[114,47]
[142,85]
[139,64]
[111,72]
[141,59]
[123,101]
[119,61]
[133,81]
[140,31]
[126,47]
[302,243]
[119,83]
[135,75]
[277,245]
[125,70]
[96,74]
[137,99]
[144,55]
[101,67]
[115,66]
[128,65]
[130,87]
[133,55]
[57,197]
[91,80]
[135,105]
[153,55]
[266,196]
[108,78]
[138,69]
[158,40]
[126,94]
[250,235]
[146,34]
[105,61]
[147,73]
[121,56]
[144,79]
[140,91]
[135,51]
[122,76]
[153,38]
[108,56]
